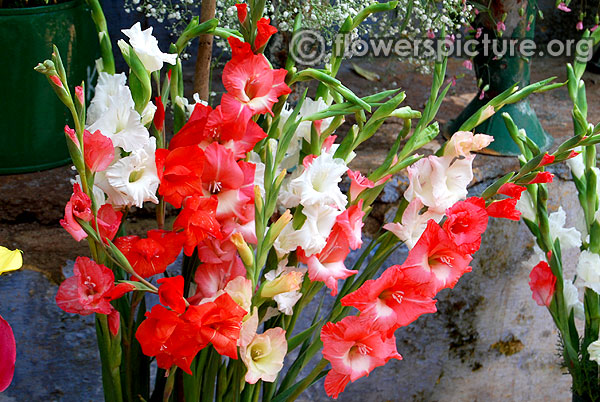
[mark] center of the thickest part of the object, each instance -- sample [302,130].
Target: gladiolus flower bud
[243,249]
[79,95]
[242,12]
[288,282]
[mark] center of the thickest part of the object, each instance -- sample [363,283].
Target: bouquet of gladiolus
[550,285]
[260,216]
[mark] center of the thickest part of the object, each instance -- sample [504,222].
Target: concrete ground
[488,342]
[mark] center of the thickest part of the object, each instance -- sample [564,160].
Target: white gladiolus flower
[576,164]
[146,47]
[318,184]
[588,269]
[568,237]
[312,237]
[572,300]
[110,90]
[123,126]
[133,179]
[526,207]
[594,351]
[310,107]
[439,182]
[413,224]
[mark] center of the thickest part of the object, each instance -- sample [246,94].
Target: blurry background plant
[411,19]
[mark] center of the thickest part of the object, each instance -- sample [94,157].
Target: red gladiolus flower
[264,30]
[180,173]
[168,337]
[542,177]
[547,159]
[88,290]
[170,293]
[242,12]
[153,255]
[159,115]
[108,222]
[197,219]
[98,151]
[467,221]
[542,283]
[219,323]
[192,133]
[119,291]
[8,354]
[79,206]
[253,87]
[506,209]
[512,190]
[390,301]
[435,261]
[354,350]
[210,278]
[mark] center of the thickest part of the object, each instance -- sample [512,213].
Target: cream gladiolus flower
[568,237]
[10,260]
[146,47]
[132,180]
[594,351]
[588,269]
[439,182]
[286,300]
[264,356]
[413,223]
[240,290]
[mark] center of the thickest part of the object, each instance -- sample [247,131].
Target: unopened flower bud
[243,249]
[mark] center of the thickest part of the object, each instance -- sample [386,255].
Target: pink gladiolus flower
[87,291]
[358,183]
[430,34]
[354,350]
[253,87]
[542,283]
[56,80]
[390,301]
[78,206]
[98,151]
[8,354]
[328,265]
[436,261]
[108,222]
[592,29]
[500,26]
[563,7]
[478,32]
[468,64]
[579,26]
[351,223]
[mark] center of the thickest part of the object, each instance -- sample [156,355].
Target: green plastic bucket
[32,118]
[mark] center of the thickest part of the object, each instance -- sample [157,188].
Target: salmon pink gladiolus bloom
[87,291]
[98,151]
[435,261]
[390,301]
[79,206]
[467,221]
[354,350]
[253,87]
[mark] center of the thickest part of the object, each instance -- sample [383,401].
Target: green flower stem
[110,356]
